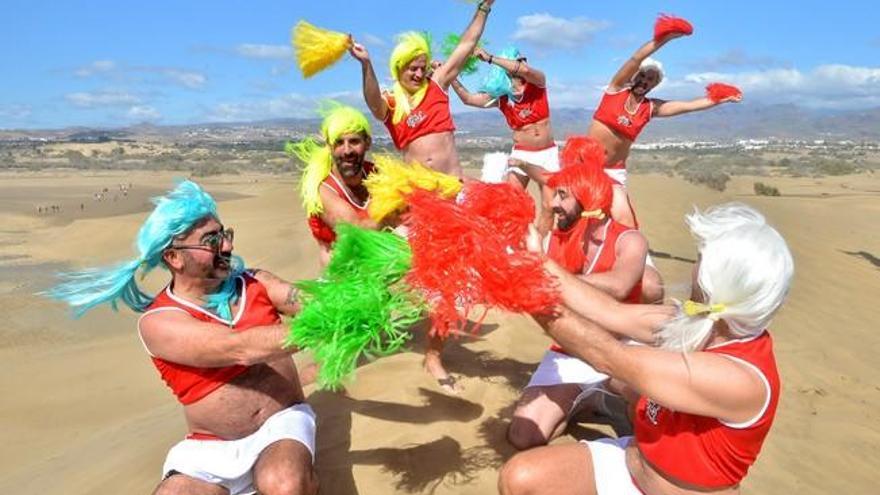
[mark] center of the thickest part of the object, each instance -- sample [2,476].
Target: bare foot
[434,366]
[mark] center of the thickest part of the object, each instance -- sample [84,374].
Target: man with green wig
[332,184]
[216,338]
[416,111]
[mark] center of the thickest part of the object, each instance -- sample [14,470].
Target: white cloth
[548,159]
[617,174]
[230,463]
[557,368]
[609,466]
[649,261]
[494,167]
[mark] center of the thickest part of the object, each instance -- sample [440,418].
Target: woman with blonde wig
[416,110]
[704,397]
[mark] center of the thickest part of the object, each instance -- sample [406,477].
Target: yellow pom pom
[393,180]
[316,48]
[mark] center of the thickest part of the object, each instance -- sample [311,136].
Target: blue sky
[102,63]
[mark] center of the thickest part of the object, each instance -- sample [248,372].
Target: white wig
[745,273]
[652,64]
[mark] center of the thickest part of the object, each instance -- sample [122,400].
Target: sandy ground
[84,411]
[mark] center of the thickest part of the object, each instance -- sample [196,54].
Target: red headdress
[582,173]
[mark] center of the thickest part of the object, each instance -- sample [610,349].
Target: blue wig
[497,82]
[175,214]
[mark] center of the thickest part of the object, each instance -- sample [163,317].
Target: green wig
[410,45]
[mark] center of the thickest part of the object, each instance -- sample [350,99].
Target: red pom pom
[720,91]
[668,24]
[460,259]
[508,208]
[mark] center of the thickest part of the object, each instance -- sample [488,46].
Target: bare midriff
[616,147]
[538,135]
[435,151]
[652,482]
[240,407]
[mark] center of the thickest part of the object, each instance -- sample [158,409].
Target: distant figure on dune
[416,112]
[215,335]
[592,246]
[704,400]
[519,91]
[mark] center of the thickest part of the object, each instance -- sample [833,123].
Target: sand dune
[86,413]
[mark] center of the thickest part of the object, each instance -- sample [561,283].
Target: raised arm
[446,73]
[514,67]
[178,337]
[704,384]
[631,66]
[479,100]
[664,108]
[372,92]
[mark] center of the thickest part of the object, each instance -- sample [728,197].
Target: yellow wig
[410,45]
[394,179]
[339,119]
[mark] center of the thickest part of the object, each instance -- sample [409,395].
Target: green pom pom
[360,307]
[472,63]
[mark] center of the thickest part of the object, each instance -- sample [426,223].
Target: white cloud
[735,58]
[96,67]
[833,86]
[104,98]
[545,31]
[293,105]
[266,52]
[185,78]
[143,113]
[15,111]
[373,40]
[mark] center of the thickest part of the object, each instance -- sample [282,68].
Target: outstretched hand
[671,36]
[481,54]
[359,52]
[732,99]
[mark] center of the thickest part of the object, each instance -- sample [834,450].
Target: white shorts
[617,175]
[609,465]
[229,463]
[548,159]
[557,368]
[649,261]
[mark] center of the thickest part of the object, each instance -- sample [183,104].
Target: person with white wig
[704,397]
[622,114]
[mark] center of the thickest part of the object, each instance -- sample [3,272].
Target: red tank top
[190,383]
[612,112]
[704,451]
[432,115]
[533,107]
[603,261]
[323,232]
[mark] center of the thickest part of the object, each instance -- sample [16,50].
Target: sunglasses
[210,242]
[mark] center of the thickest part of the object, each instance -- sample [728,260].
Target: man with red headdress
[603,252]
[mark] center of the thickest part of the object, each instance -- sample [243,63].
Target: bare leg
[540,415]
[285,468]
[621,209]
[181,484]
[652,286]
[434,365]
[558,470]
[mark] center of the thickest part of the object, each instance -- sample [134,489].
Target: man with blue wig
[216,337]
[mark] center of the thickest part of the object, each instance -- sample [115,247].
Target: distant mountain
[724,124]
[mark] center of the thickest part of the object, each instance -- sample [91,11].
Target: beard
[350,168]
[566,220]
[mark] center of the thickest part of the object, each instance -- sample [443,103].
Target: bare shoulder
[267,278]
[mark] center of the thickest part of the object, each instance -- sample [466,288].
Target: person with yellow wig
[416,110]
[332,184]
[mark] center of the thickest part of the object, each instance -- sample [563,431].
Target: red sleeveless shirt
[603,261]
[323,232]
[704,451]
[432,115]
[533,107]
[612,112]
[190,383]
